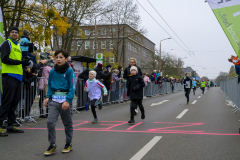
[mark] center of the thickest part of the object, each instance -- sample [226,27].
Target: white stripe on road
[156,104]
[194,102]
[182,114]
[139,155]
[199,97]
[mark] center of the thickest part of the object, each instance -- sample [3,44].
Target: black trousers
[133,106]
[93,108]
[10,99]
[187,92]
[194,90]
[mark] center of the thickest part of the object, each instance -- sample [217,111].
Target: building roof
[83,59]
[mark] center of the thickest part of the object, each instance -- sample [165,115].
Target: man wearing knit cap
[135,91]
[12,74]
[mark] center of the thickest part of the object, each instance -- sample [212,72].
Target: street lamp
[161,46]
[107,11]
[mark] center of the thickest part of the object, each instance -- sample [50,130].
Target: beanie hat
[30,65]
[26,32]
[134,68]
[100,65]
[46,49]
[14,28]
[93,73]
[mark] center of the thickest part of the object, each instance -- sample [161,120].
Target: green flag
[227,13]
[1,41]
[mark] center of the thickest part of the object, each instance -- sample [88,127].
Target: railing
[33,95]
[231,91]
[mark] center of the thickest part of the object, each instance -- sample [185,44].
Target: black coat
[127,72]
[100,74]
[84,75]
[135,87]
[106,81]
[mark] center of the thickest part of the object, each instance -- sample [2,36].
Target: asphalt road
[205,130]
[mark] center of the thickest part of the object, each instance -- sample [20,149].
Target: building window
[60,41]
[111,44]
[87,45]
[94,32]
[79,45]
[104,31]
[72,46]
[87,32]
[111,59]
[94,45]
[103,44]
[112,30]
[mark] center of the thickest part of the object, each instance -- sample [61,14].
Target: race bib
[59,97]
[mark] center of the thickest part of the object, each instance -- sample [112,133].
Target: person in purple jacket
[93,87]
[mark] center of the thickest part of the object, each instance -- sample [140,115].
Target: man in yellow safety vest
[12,74]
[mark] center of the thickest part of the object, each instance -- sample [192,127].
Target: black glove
[26,63]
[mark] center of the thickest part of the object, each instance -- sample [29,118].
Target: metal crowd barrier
[231,91]
[31,104]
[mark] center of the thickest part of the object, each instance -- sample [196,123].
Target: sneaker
[131,121]
[67,148]
[97,103]
[187,103]
[2,133]
[14,129]
[51,149]
[43,116]
[143,116]
[29,119]
[95,120]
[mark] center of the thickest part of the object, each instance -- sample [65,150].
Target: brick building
[121,39]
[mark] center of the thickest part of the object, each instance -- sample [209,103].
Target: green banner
[1,41]
[227,13]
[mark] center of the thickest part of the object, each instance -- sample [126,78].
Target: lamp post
[107,11]
[179,66]
[161,50]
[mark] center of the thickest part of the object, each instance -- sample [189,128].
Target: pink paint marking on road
[80,123]
[134,126]
[116,125]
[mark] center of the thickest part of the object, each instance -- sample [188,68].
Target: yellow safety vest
[203,84]
[15,54]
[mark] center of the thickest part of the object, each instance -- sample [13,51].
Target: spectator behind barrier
[46,55]
[25,44]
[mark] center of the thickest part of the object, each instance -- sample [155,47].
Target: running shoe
[14,129]
[51,149]
[95,120]
[187,103]
[67,148]
[131,121]
[143,116]
[2,133]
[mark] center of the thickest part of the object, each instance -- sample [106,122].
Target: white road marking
[194,102]
[156,104]
[199,97]
[182,114]
[139,155]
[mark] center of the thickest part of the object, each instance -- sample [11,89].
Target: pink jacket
[45,74]
[146,79]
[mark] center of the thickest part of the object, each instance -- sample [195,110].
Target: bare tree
[125,19]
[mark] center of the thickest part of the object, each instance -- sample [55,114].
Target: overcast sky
[194,22]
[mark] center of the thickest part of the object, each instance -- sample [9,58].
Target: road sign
[99,58]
